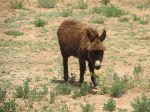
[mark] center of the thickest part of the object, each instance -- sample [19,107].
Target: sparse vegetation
[53,96]
[110,105]
[23,91]
[29,103]
[141,104]
[122,110]
[29,48]
[112,11]
[2,95]
[103,86]
[137,70]
[144,5]
[38,95]
[48,3]
[143,20]
[82,91]
[17,4]
[48,109]
[66,12]
[9,106]
[40,23]
[81,4]
[64,108]
[85,89]
[13,47]
[105,1]
[108,11]
[119,86]
[87,107]
[116,89]
[64,88]
[136,18]
[76,94]
[98,19]
[14,33]
[124,19]
[48,69]
[114,85]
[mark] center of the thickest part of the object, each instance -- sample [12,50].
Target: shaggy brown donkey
[81,41]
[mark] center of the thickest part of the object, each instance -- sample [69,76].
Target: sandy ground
[36,54]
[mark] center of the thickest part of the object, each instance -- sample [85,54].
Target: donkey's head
[96,48]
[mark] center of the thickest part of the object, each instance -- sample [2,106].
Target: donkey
[83,42]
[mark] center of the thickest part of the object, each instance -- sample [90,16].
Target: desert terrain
[31,70]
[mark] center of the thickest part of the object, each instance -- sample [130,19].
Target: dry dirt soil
[35,55]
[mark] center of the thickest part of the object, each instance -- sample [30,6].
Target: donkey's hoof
[95,87]
[95,84]
[65,79]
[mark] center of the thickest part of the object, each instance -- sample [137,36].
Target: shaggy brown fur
[81,41]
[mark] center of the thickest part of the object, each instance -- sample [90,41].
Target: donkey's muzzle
[97,65]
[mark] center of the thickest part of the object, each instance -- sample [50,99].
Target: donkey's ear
[89,35]
[103,36]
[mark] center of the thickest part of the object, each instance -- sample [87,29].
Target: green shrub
[2,95]
[76,94]
[108,11]
[96,10]
[64,108]
[110,105]
[127,81]
[17,4]
[116,90]
[14,33]
[143,21]
[38,95]
[66,12]
[9,106]
[137,70]
[40,23]
[64,88]
[103,84]
[85,89]
[141,104]
[113,84]
[23,91]
[98,19]
[136,18]
[119,86]
[81,4]
[105,2]
[87,107]
[48,3]
[112,11]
